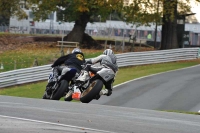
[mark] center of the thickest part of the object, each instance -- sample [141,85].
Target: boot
[106,92]
[97,97]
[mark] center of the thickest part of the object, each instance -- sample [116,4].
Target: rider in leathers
[73,60]
[108,60]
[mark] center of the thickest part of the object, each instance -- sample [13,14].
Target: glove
[88,62]
[85,64]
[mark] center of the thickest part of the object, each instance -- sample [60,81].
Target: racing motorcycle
[89,84]
[57,88]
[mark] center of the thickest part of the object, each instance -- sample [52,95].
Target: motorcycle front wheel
[93,90]
[60,90]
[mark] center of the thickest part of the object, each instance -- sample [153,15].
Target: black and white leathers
[107,69]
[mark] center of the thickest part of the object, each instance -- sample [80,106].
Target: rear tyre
[90,93]
[60,90]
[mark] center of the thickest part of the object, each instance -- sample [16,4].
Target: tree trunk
[76,35]
[169,27]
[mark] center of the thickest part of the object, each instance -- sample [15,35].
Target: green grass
[21,60]
[184,112]
[24,58]
[33,90]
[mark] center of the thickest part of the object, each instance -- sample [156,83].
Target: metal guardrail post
[35,63]
[68,51]
[15,64]
[62,52]
[2,67]
[105,45]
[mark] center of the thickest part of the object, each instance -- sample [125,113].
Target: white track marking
[57,124]
[10,103]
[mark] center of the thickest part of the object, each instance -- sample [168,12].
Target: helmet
[108,52]
[76,50]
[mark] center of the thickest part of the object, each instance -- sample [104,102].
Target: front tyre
[60,90]
[93,90]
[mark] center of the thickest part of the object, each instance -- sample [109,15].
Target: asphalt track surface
[174,90]
[135,111]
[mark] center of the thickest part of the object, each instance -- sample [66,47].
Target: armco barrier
[39,73]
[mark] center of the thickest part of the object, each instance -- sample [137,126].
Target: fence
[4,28]
[102,32]
[111,30]
[40,73]
[106,29]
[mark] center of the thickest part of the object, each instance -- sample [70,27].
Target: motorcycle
[89,84]
[57,88]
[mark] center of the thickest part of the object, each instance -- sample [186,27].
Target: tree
[79,11]
[11,8]
[169,30]
[171,9]
[140,12]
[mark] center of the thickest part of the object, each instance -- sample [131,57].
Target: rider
[108,60]
[72,60]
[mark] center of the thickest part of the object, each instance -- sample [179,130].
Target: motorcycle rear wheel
[60,90]
[93,90]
